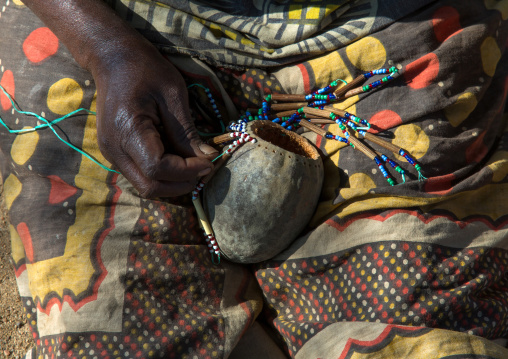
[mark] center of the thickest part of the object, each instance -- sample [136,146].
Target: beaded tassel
[290,118]
[319,99]
[239,138]
[213,247]
[393,70]
[212,102]
[337,138]
[195,191]
[357,120]
[412,162]
[211,242]
[384,171]
[329,87]
[394,166]
[341,121]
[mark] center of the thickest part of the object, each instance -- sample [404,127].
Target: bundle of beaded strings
[310,111]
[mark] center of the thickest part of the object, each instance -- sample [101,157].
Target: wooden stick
[203,220]
[219,139]
[334,110]
[352,93]
[284,114]
[320,121]
[287,97]
[321,132]
[287,106]
[362,148]
[316,112]
[342,90]
[379,141]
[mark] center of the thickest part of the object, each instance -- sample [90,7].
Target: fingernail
[205,172]
[207,149]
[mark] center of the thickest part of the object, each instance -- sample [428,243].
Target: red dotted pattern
[394,283]
[173,303]
[248,88]
[173,223]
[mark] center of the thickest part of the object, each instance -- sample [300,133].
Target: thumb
[207,150]
[185,140]
[180,129]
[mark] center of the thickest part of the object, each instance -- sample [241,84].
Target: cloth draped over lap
[412,270]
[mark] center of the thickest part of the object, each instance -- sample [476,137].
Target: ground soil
[15,336]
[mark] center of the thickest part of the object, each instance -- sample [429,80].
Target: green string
[50,125]
[219,156]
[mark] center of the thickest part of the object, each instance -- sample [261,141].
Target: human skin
[138,91]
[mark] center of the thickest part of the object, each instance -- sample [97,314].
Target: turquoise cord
[50,125]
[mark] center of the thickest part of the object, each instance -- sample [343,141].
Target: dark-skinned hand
[140,97]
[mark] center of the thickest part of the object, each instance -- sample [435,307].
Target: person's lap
[104,273]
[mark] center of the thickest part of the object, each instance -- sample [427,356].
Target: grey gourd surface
[264,195]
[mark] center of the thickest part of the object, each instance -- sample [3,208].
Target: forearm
[90,29]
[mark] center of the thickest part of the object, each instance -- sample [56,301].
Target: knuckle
[147,190]
[150,168]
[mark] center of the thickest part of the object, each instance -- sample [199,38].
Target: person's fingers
[144,146]
[150,188]
[180,129]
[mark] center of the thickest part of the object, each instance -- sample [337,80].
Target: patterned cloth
[261,32]
[413,270]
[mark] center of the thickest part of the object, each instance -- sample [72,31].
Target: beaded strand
[294,115]
[395,166]
[412,162]
[393,70]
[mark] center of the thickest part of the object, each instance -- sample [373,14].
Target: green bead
[268,98]
[333,83]
[417,167]
[391,181]
[365,88]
